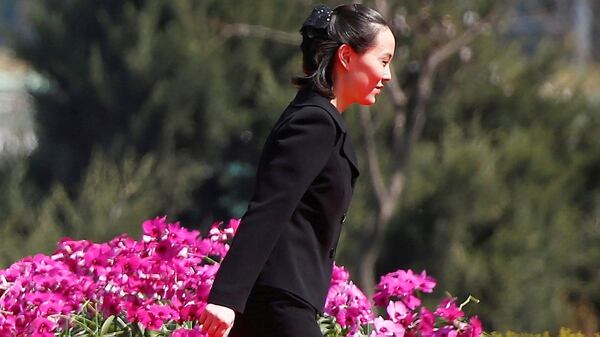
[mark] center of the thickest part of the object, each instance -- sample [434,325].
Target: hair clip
[319,18]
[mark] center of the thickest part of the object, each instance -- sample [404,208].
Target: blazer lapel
[348,150]
[309,97]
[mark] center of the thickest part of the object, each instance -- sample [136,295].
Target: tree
[502,197]
[152,86]
[437,36]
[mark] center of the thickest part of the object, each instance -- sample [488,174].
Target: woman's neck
[339,103]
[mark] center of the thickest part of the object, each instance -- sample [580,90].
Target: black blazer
[288,235]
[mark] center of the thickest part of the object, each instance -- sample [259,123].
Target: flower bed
[158,286]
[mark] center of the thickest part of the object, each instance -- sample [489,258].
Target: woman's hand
[217,320]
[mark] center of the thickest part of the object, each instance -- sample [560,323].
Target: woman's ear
[344,54]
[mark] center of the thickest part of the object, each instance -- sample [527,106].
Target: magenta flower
[154,229]
[397,311]
[188,333]
[339,274]
[448,310]
[472,329]
[43,327]
[185,237]
[347,303]
[424,283]
[163,280]
[402,285]
[387,328]
[192,311]
[426,323]
[7,325]
[445,331]
[120,276]
[233,224]
[153,316]
[167,250]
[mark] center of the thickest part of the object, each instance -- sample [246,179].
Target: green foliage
[329,327]
[151,111]
[159,78]
[111,199]
[502,201]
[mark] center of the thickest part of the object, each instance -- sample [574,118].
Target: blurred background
[480,163]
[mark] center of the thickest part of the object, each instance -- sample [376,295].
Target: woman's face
[367,72]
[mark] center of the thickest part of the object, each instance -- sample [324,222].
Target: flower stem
[468,300]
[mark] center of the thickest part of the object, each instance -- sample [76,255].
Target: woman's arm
[299,150]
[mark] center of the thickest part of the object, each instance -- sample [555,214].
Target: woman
[275,278]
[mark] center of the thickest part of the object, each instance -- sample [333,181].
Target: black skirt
[273,312]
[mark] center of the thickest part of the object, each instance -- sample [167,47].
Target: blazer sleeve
[299,150]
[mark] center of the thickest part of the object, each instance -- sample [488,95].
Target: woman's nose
[387,75]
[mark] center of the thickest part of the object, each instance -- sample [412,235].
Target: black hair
[354,24]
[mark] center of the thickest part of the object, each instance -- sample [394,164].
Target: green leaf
[329,327]
[153,333]
[107,325]
[122,322]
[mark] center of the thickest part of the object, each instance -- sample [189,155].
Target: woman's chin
[369,100]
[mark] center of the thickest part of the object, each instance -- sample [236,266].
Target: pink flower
[167,250]
[348,305]
[476,326]
[234,224]
[154,229]
[7,325]
[182,235]
[98,255]
[448,310]
[153,316]
[192,311]
[166,276]
[426,323]
[339,274]
[120,276]
[188,333]
[204,247]
[128,264]
[43,327]
[402,285]
[445,331]
[387,328]
[397,311]
[472,329]
[215,245]
[424,283]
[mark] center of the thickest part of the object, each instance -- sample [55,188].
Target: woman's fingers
[216,320]
[203,317]
[217,330]
[212,329]
[224,332]
[208,323]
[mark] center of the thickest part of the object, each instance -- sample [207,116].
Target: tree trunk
[407,129]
